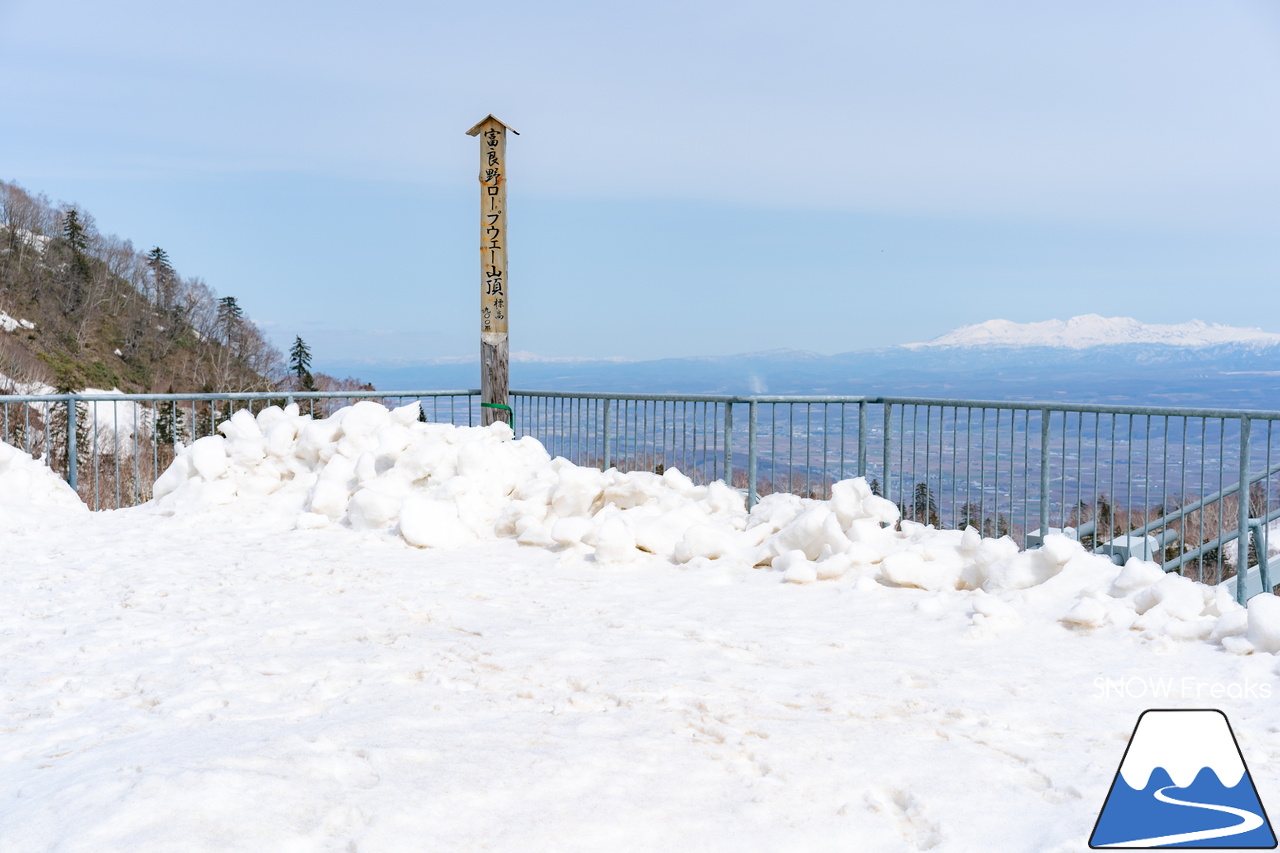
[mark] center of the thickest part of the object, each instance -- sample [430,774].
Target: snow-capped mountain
[1093,330]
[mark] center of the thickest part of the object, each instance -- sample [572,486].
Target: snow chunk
[1059,549]
[1087,613]
[1231,624]
[1172,595]
[925,570]
[707,540]
[209,456]
[615,543]
[431,523]
[1136,575]
[796,567]
[1264,623]
[1021,571]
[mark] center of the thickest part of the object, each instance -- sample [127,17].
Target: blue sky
[690,178]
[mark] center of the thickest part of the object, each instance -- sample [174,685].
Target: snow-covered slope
[1092,330]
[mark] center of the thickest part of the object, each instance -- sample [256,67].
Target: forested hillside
[82,309]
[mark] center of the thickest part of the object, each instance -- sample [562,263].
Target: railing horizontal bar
[1231,536]
[1165,520]
[233,395]
[1101,408]
[1015,405]
[660,398]
[810,399]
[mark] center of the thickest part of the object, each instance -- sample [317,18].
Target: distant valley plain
[1232,376]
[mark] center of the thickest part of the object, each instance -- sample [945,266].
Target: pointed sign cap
[491,118]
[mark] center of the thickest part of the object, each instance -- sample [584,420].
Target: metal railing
[1192,489]
[1160,483]
[111,448]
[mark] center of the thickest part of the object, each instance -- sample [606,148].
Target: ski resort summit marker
[494,291]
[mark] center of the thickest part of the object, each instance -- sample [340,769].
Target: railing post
[862,438]
[608,433]
[751,454]
[1242,516]
[1259,528]
[728,444]
[1044,474]
[71,442]
[888,425]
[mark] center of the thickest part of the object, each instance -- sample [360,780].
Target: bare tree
[25,220]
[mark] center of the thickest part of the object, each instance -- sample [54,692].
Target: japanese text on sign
[493,226]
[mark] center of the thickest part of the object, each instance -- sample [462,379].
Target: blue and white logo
[1183,783]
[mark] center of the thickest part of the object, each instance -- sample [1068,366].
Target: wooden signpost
[494,289]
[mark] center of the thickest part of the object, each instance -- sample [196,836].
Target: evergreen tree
[997,528]
[970,515]
[167,422]
[924,508]
[60,438]
[73,231]
[164,279]
[206,420]
[300,364]
[230,319]
[1106,527]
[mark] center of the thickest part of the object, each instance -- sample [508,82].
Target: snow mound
[28,486]
[437,485]
[440,486]
[1264,622]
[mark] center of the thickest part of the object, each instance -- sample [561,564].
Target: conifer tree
[924,508]
[969,515]
[300,364]
[60,438]
[167,422]
[73,231]
[230,318]
[163,277]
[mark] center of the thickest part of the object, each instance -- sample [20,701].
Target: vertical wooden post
[495,292]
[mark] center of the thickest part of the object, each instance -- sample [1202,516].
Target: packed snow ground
[371,634]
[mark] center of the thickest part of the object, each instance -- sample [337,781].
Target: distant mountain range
[1092,330]
[1083,359]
